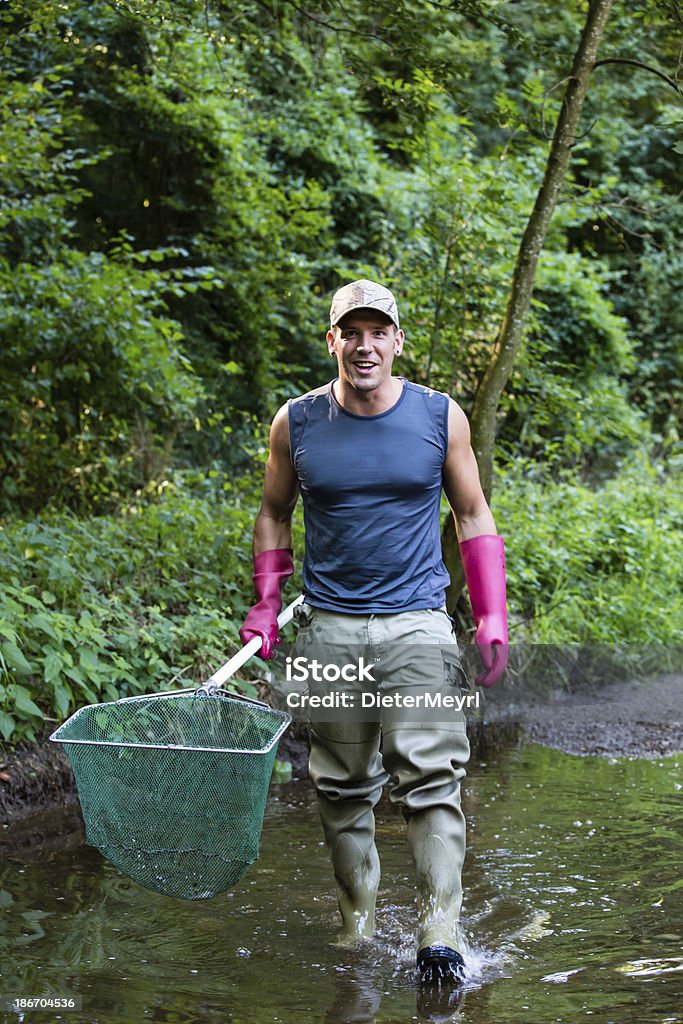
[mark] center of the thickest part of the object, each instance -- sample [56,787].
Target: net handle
[233,664]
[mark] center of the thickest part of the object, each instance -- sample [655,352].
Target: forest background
[183,186]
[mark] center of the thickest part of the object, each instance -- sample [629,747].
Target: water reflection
[650,968]
[358,998]
[572,908]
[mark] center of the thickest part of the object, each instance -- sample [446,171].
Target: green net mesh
[173,787]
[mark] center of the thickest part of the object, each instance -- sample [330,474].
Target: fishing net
[173,786]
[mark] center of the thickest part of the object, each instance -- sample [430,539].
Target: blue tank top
[371,489]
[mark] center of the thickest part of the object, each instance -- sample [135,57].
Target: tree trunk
[509,337]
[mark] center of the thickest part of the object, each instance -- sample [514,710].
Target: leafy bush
[567,403]
[595,565]
[106,607]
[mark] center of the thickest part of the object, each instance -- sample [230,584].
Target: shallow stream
[573,911]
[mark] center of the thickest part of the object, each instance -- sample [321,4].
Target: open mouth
[364,365]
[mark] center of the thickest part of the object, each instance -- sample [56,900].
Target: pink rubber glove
[271,570]
[483,559]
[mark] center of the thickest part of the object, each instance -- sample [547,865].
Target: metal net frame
[173,786]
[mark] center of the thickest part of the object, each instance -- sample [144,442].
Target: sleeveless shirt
[371,490]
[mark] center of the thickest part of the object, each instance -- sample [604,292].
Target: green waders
[421,754]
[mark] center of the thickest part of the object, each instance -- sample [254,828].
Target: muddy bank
[637,719]
[33,777]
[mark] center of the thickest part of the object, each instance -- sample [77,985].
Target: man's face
[365,343]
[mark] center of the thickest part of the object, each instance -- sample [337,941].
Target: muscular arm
[482,551]
[461,480]
[273,527]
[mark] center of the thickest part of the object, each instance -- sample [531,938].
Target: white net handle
[253,647]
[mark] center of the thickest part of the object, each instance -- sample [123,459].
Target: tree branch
[645,67]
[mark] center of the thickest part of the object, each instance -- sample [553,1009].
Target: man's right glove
[271,570]
[483,559]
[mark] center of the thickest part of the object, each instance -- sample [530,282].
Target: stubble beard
[360,383]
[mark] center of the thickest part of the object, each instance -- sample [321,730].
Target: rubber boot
[348,775]
[357,872]
[436,837]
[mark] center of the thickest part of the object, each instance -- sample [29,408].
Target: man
[370,453]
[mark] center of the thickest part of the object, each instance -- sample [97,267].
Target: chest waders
[421,759]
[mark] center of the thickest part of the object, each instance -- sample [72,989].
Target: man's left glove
[483,559]
[271,570]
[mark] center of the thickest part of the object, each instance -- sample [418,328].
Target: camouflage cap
[363,295]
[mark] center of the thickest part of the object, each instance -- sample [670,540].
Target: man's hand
[483,560]
[495,658]
[271,570]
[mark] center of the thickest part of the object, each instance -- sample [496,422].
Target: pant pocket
[454,673]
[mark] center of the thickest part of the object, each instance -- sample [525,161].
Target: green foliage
[568,404]
[95,385]
[463,215]
[93,609]
[656,382]
[187,186]
[595,565]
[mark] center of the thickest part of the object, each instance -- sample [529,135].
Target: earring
[398,351]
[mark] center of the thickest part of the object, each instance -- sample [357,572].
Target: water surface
[573,911]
